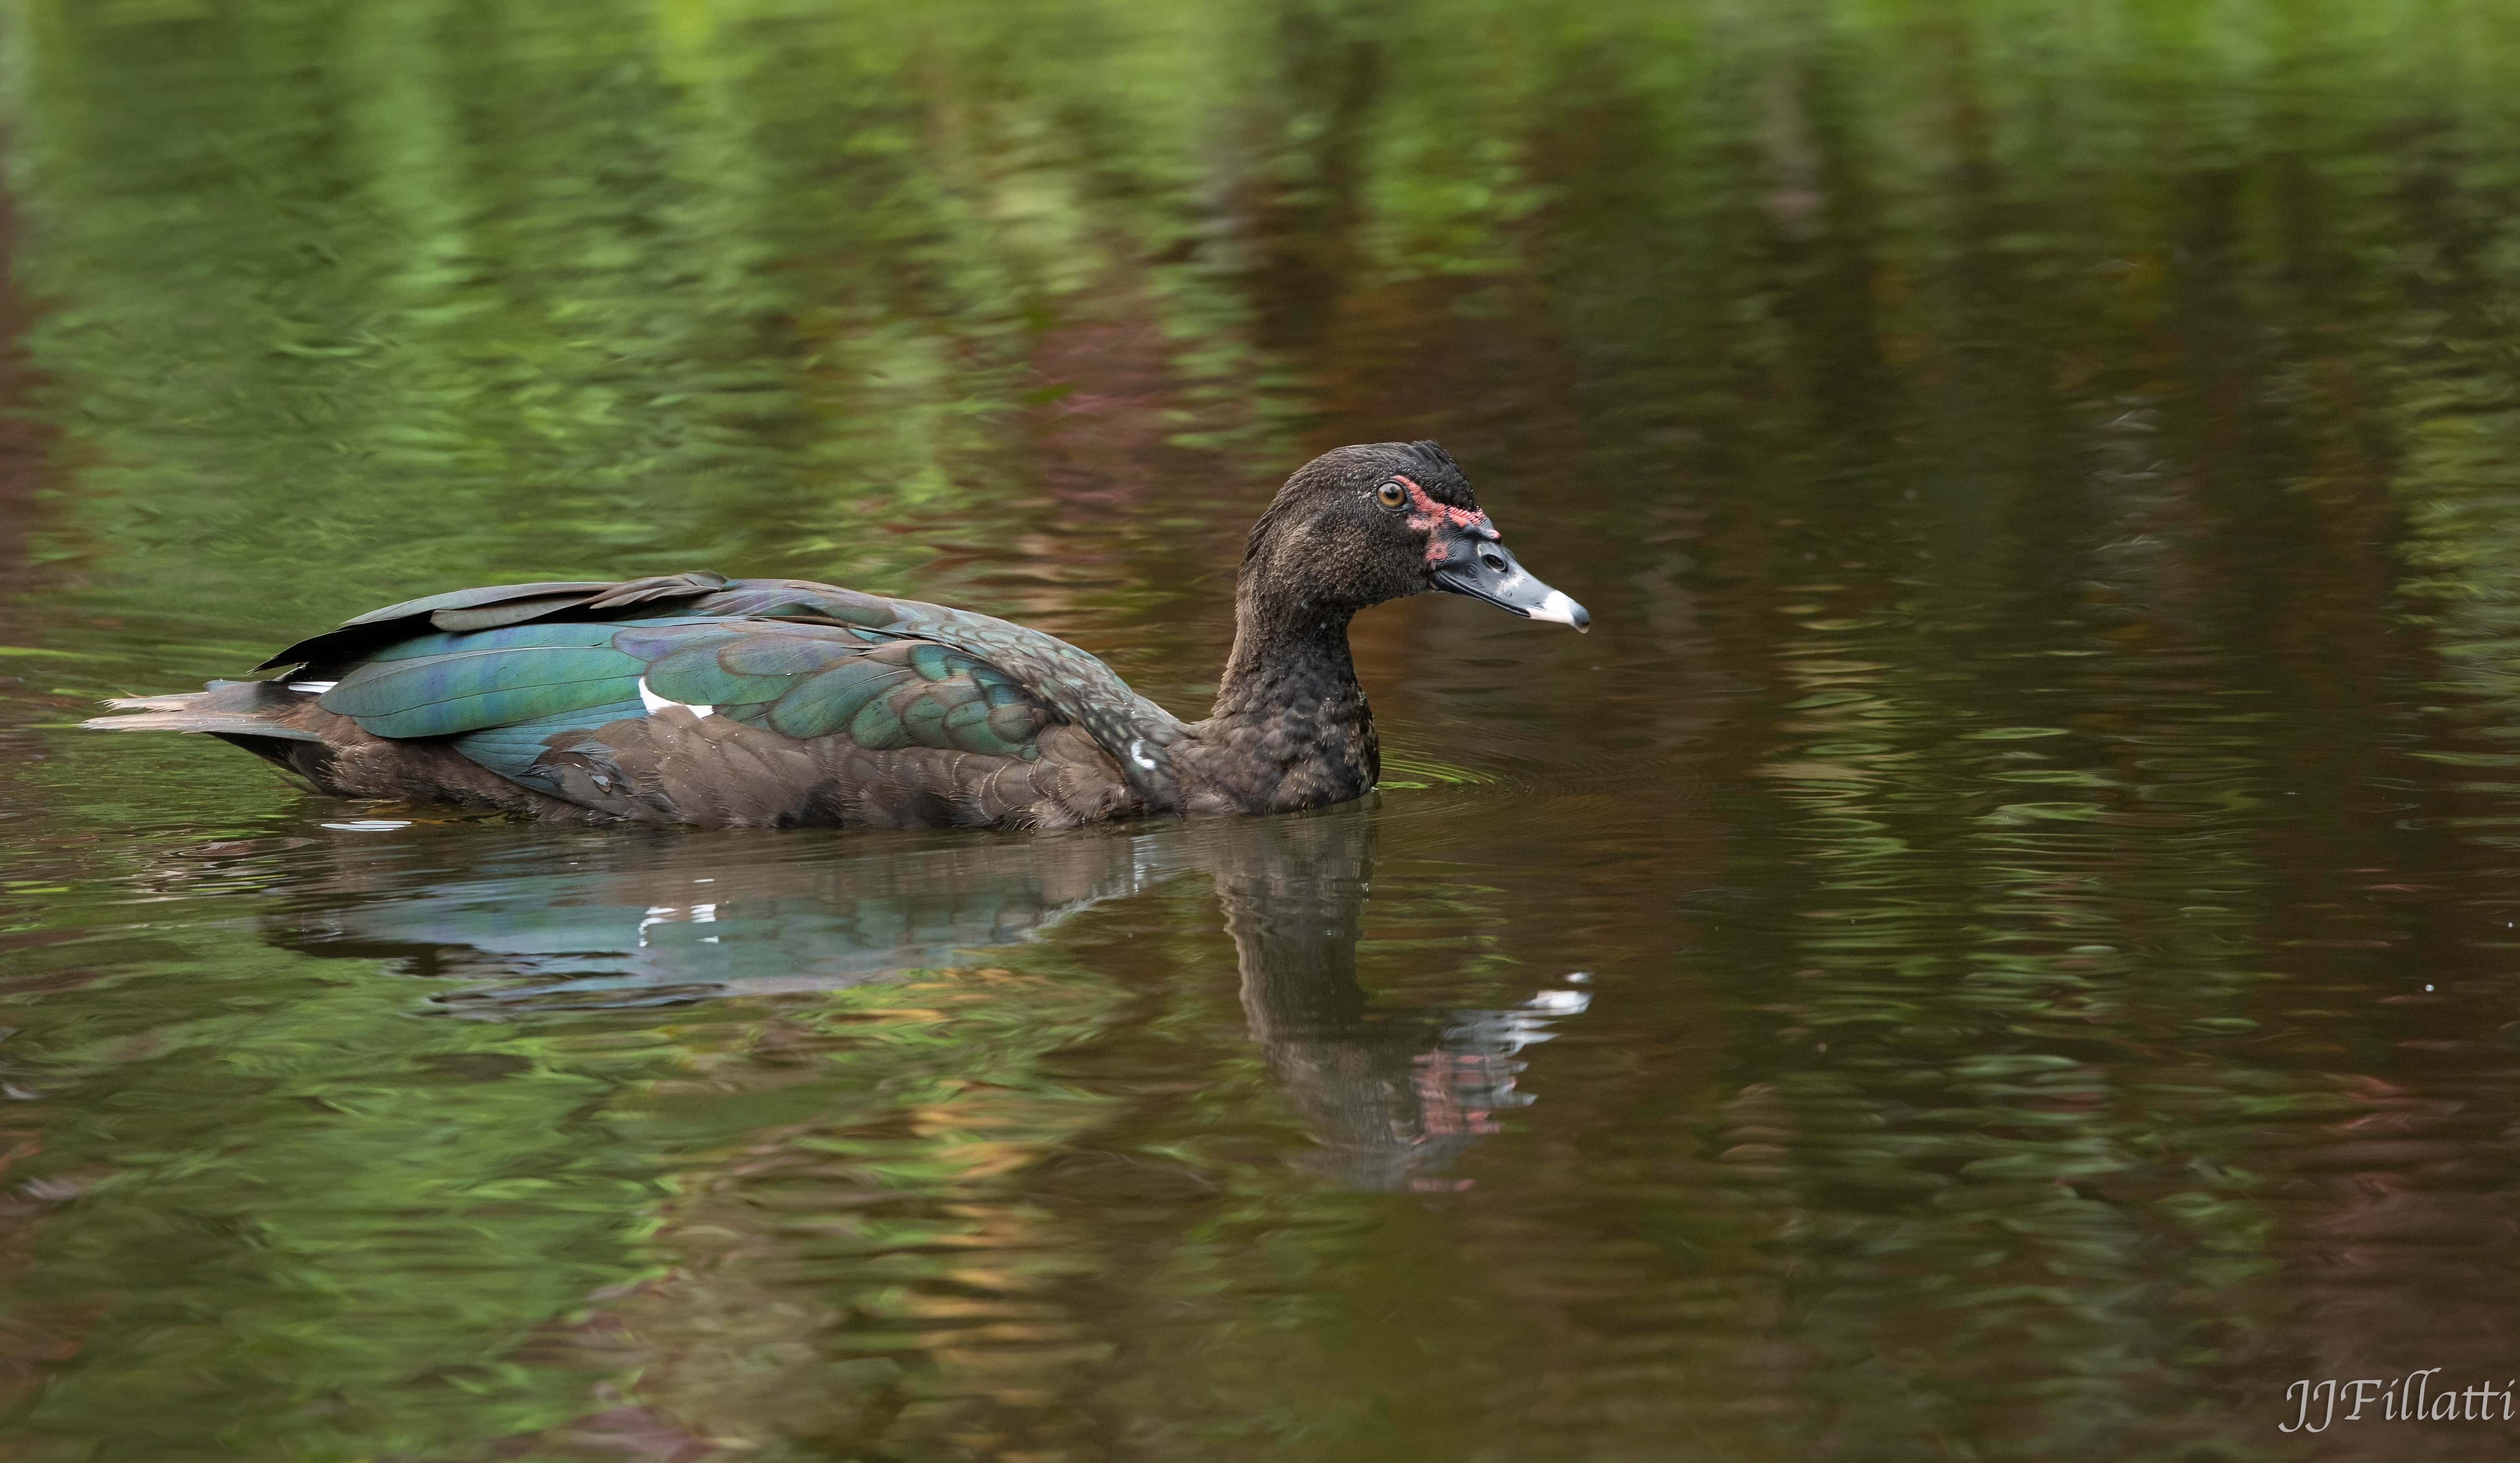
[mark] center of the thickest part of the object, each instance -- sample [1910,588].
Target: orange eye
[1390,495]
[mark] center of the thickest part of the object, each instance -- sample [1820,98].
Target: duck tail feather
[217,723]
[249,708]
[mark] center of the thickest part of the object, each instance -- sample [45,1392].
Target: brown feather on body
[714,772]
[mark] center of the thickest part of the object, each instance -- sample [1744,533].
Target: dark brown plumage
[759,703]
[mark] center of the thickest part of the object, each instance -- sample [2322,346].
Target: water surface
[2000,944]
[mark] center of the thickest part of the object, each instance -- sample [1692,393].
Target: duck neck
[1288,652]
[1290,728]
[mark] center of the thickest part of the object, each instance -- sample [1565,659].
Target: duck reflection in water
[1389,1094]
[639,919]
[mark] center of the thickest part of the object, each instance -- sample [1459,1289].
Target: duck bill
[1487,570]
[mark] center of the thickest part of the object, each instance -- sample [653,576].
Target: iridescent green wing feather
[439,685]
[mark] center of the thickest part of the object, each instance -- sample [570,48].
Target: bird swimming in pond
[720,702]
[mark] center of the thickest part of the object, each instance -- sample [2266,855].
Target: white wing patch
[655,702]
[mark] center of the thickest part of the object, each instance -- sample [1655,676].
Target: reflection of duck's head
[1389,1094]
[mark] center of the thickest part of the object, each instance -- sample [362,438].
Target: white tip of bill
[1560,609]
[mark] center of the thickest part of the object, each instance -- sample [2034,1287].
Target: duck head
[1382,520]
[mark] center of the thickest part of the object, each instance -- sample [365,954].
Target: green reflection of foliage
[347,1231]
[336,1216]
[536,290]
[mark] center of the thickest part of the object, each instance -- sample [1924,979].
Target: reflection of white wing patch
[1558,1003]
[655,702]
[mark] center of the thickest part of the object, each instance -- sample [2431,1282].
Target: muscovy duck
[721,702]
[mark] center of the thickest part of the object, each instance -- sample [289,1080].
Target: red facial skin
[1431,516]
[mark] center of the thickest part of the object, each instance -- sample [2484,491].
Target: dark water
[2003,943]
